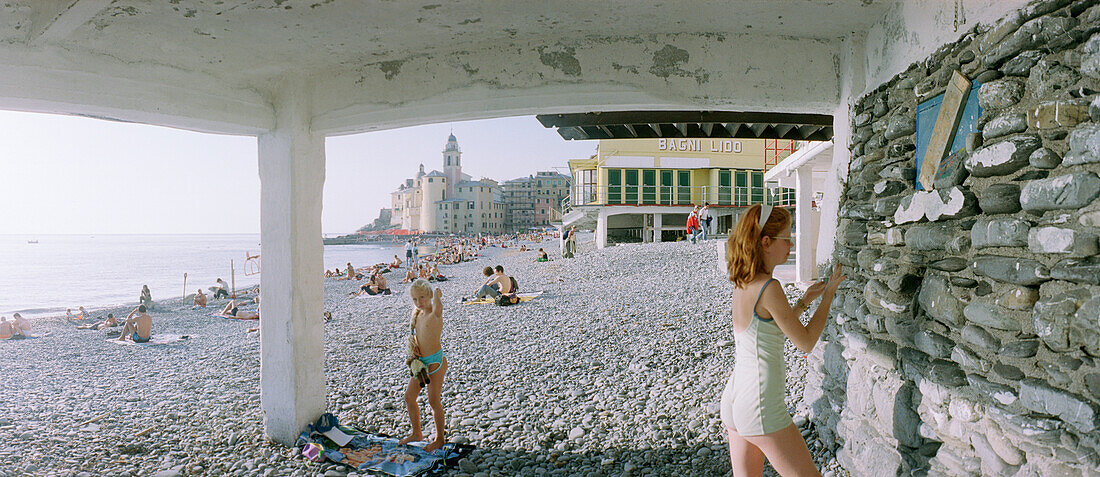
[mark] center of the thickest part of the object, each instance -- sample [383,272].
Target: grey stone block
[929,237]
[1031,34]
[1000,94]
[1061,240]
[1084,145]
[1021,271]
[999,392]
[887,187]
[1021,64]
[1085,321]
[901,125]
[1078,270]
[932,344]
[1048,78]
[1019,349]
[1044,158]
[1000,199]
[949,264]
[1002,232]
[1052,317]
[1003,157]
[1090,58]
[1004,124]
[1075,411]
[938,301]
[969,360]
[946,373]
[1069,191]
[1008,372]
[979,337]
[993,316]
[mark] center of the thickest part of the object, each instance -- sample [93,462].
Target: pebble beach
[616,370]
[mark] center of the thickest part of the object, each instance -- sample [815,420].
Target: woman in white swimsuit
[753,408]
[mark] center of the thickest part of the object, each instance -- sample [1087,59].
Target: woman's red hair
[744,255]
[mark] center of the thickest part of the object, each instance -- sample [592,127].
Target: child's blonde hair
[422,285]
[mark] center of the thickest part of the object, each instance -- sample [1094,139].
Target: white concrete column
[806,240]
[658,227]
[601,229]
[292,176]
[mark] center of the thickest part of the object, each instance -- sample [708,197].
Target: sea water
[99,271]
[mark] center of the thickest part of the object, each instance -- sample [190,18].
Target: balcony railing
[677,195]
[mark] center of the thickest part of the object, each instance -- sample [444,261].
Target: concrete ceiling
[220,65]
[247,41]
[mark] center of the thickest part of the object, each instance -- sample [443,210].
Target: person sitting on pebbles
[232,309]
[542,257]
[410,275]
[200,298]
[396,262]
[139,326]
[426,328]
[6,329]
[20,326]
[376,286]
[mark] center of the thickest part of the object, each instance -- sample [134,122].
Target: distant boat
[32,241]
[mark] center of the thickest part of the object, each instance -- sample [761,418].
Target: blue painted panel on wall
[928,111]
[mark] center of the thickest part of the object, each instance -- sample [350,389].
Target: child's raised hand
[438,293]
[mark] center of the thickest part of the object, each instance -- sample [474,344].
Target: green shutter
[740,188]
[725,191]
[649,186]
[757,187]
[630,183]
[683,187]
[665,193]
[614,183]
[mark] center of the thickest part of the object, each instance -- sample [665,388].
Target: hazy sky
[63,174]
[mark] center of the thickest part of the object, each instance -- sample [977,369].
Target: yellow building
[643,189]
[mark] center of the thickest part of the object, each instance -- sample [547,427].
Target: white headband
[765,212]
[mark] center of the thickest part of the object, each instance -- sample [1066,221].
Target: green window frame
[725,189]
[683,187]
[614,186]
[649,186]
[740,188]
[630,184]
[666,185]
[757,187]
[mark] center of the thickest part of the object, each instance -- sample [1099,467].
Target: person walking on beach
[409,252]
[426,329]
[752,407]
[693,224]
[704,220]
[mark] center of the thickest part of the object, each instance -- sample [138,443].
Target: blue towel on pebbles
[380,454]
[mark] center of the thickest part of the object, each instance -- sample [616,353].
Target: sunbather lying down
[110,321]
[231,309]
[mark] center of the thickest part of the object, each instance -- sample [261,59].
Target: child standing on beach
[427,330]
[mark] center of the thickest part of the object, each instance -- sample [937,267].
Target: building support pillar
[292,176]
[601,229]
[658,227]
[806,238]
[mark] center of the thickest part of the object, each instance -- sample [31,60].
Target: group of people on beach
[698,222]
[753,410]
[17,329]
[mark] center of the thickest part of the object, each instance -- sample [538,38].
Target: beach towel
[527,296]
[326,440]
[230,317]
[157,340]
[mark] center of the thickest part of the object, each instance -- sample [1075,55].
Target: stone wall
[968,336]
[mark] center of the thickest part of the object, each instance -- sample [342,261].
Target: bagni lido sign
[696,145]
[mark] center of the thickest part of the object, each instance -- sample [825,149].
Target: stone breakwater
[616,370]
[968,341]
